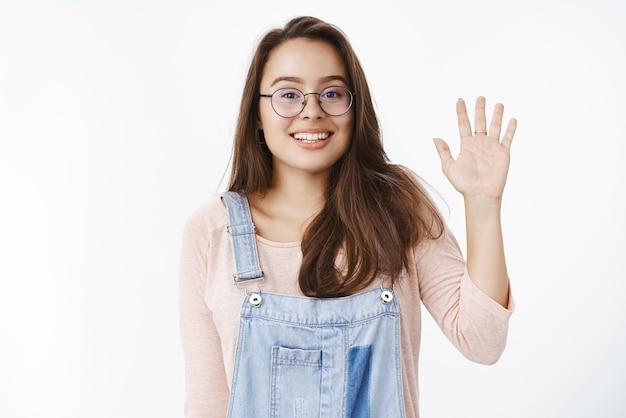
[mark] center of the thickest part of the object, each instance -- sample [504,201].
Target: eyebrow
[300,81]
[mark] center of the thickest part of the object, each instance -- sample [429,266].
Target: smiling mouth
[310,138]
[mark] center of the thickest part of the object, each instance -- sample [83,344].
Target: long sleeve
[206,389]
[476,324]
[210,307]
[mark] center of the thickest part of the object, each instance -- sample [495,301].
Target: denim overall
[310,357]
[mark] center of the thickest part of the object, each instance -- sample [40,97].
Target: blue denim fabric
[311,358]
[242,238]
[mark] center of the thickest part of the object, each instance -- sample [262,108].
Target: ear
[259,125]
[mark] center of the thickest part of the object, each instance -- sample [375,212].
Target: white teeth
[310,137]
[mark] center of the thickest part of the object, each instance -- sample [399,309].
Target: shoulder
[207,217]
[436,250]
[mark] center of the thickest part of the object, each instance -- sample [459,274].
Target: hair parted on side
[375,211]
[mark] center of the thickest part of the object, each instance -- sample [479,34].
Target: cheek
[262,117]
[270,121]
[349,126]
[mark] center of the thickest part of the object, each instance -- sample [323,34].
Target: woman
[301,285]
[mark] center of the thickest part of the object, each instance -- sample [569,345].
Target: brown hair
[375,212]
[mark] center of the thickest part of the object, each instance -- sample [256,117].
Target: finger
[480,120]
[509,133]
[496,120]
[444,151]
[465,128]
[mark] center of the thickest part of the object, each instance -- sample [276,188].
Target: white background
[116,121]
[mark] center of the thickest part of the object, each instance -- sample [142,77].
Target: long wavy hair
[375,211]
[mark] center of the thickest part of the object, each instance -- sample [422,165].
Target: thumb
[444,151]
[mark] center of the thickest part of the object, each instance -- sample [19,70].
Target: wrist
[483,203]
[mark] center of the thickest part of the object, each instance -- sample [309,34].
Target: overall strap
[242,238]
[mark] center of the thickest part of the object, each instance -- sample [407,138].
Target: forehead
[307,60]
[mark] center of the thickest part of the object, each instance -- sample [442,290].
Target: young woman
[301,285]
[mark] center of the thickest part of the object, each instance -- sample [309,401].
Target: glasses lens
[336,100]
[287,102]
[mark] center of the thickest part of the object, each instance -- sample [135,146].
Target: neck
[300,190]
[286,209]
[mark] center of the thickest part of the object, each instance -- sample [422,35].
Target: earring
[261,135]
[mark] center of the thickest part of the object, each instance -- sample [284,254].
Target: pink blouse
[210,305]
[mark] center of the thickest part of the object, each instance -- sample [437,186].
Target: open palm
[481,168]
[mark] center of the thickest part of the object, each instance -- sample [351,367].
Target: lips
[310,137]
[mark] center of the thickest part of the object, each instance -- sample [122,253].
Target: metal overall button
[255,299]
[386,296]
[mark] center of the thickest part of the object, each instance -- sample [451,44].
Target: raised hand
[481,168]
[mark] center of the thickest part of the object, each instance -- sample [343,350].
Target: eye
[288,94]
[333,93]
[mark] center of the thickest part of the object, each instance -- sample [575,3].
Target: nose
[312,108]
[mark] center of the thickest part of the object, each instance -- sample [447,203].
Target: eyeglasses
[334,101]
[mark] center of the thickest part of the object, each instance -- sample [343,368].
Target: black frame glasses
[290,102]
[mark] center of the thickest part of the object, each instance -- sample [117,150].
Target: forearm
[486,263]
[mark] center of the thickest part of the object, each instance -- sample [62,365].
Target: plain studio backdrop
[116,122]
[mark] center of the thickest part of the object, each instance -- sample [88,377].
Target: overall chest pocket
[296,377]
